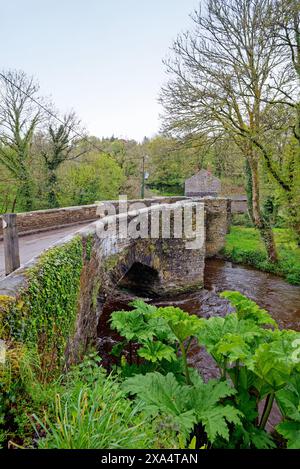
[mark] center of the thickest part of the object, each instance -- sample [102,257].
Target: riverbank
[244,246]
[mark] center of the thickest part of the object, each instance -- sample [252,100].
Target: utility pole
[143,176]
[11,242]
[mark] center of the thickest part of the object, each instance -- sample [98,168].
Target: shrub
[92,412]
[21,394]
[256,360]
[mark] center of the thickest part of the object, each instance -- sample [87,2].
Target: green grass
[243,245]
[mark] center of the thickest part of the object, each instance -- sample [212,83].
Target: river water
[268,291]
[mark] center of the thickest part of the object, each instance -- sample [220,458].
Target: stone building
[239,203]
[202,184]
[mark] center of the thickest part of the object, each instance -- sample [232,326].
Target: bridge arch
[141,280]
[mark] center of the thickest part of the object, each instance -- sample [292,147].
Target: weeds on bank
[243,245]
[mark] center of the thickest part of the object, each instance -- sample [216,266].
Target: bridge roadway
[33,244]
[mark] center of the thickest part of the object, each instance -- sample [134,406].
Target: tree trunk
[249,189]
[25,193]
[294,217]
[260,223]
[297,125]
[52,197]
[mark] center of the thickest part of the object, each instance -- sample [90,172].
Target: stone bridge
[151,248]
[161,262]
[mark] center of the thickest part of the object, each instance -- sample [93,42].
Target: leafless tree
[288,33]
[222,79]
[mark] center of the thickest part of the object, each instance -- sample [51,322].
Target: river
[268,291]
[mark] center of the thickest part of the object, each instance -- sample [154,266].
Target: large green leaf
[142,307]
[200,403]
[182,324]
[233,347]
[246,381]
[290,430]
[230,338]
[273,362]
[214,415]
[288,398]
[160,328]
[142,323]
[163,394]
[274,370]
[216,421]
[155,351]
[131,325]
[248,309]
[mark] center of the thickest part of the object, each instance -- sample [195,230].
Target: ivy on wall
[43,315]
[37,326]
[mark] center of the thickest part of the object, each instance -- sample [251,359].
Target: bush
[241,219]
[21,394]
[92,412]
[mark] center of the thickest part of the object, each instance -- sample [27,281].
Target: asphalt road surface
[33,244]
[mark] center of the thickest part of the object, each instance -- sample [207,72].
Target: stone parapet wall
[217,217]
[166,265]
[45,220]
[217,222]
[239,204]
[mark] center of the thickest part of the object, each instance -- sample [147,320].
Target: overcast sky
[102,58]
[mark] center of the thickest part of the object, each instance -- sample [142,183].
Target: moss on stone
[6,303]
[95,293]
[111,262]
[88,247]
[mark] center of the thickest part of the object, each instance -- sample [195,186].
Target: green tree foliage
[231,73]
[58,146]
[19,118]
[95,177]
